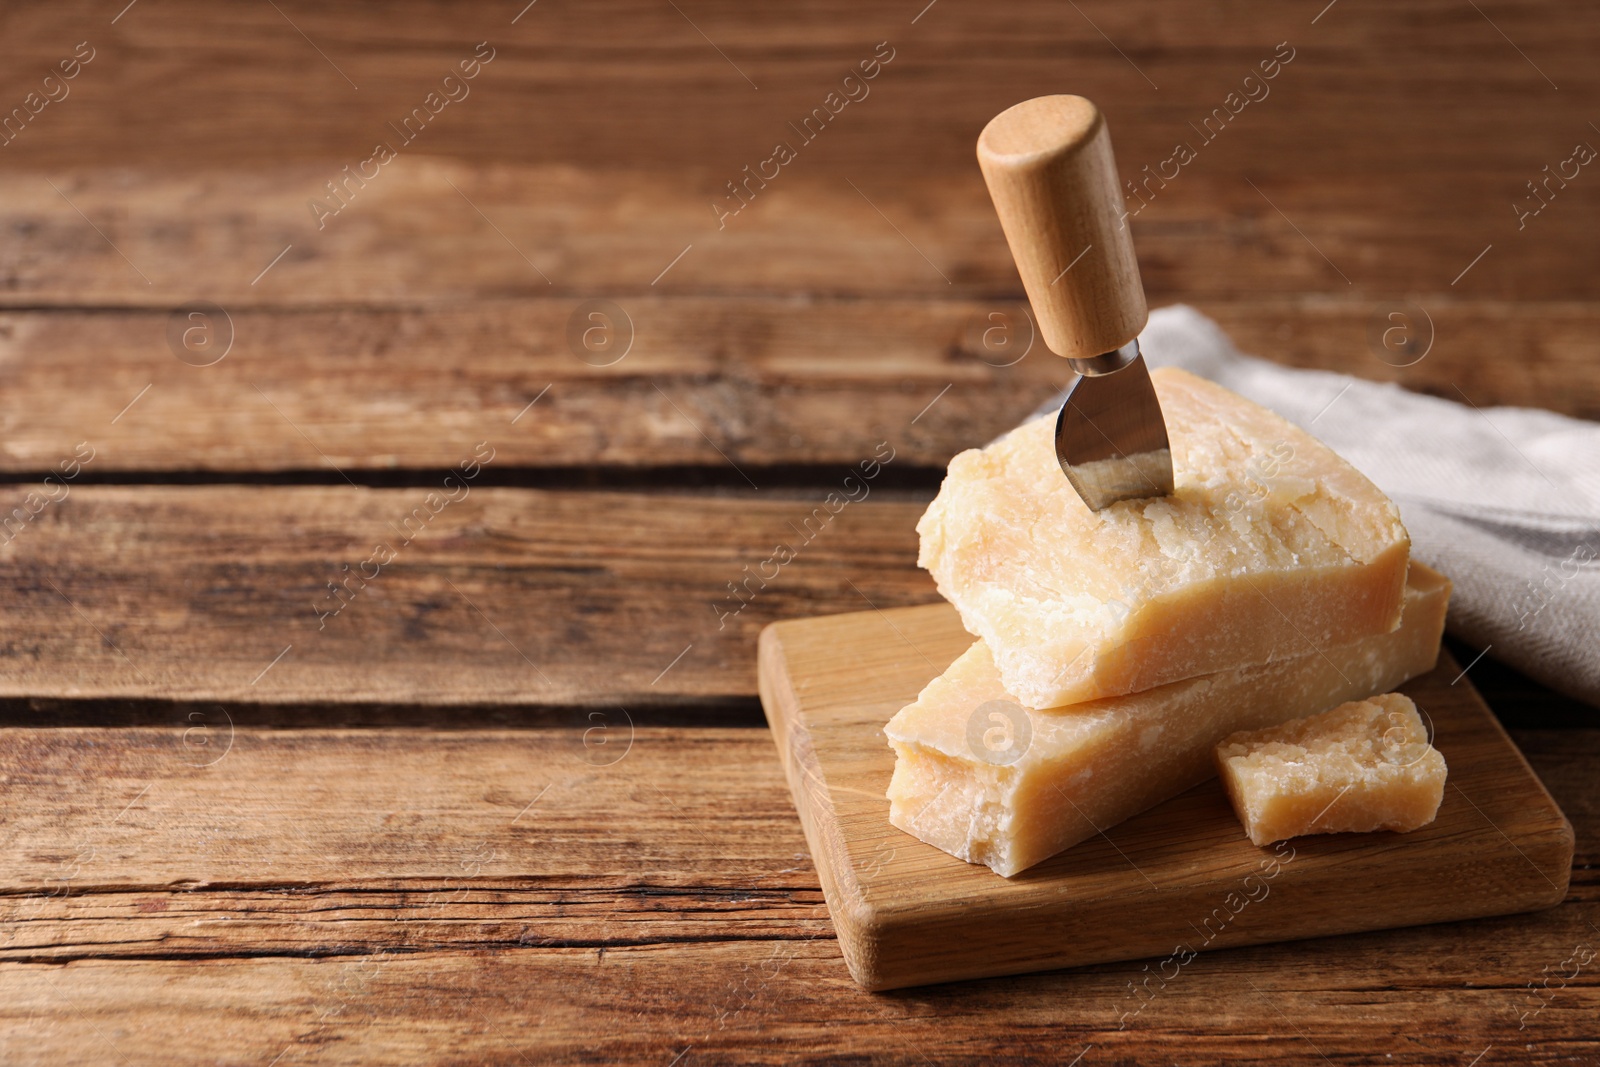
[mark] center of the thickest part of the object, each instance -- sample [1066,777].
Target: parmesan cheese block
[991,781]
[1270,547]
[1365,765]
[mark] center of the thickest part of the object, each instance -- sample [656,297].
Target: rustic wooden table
[375,687]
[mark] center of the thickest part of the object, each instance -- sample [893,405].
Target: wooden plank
[602,908]
[908,914]
[1430,996]
[633,911]
[133,840]
[502,597]
[201,804]
[761,382]
[758,381]
[1555,344]
[665,94]
[435,232]
[598,909]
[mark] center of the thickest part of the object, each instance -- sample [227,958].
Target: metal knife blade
[1111,440]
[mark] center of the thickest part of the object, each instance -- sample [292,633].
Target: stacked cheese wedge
[1117,648]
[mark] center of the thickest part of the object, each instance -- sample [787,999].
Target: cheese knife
[1049,169]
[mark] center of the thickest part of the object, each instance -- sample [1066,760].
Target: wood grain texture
[117,827]
[1182,873]
[1366,1000]
[433,231]
[594,150]
[420,323]
[1374,91]
[199,805]
[504,597]
[760,381]
[628,946]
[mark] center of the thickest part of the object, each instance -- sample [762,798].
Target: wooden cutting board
[1179,879]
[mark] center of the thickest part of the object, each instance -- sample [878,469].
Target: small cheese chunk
[1270,547]
[1365,765]
[990,781]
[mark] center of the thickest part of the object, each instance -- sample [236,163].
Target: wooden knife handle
[1048,165]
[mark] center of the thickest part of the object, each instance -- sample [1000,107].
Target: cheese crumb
[1365,765]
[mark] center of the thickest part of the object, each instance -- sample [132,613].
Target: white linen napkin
[1504,501]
